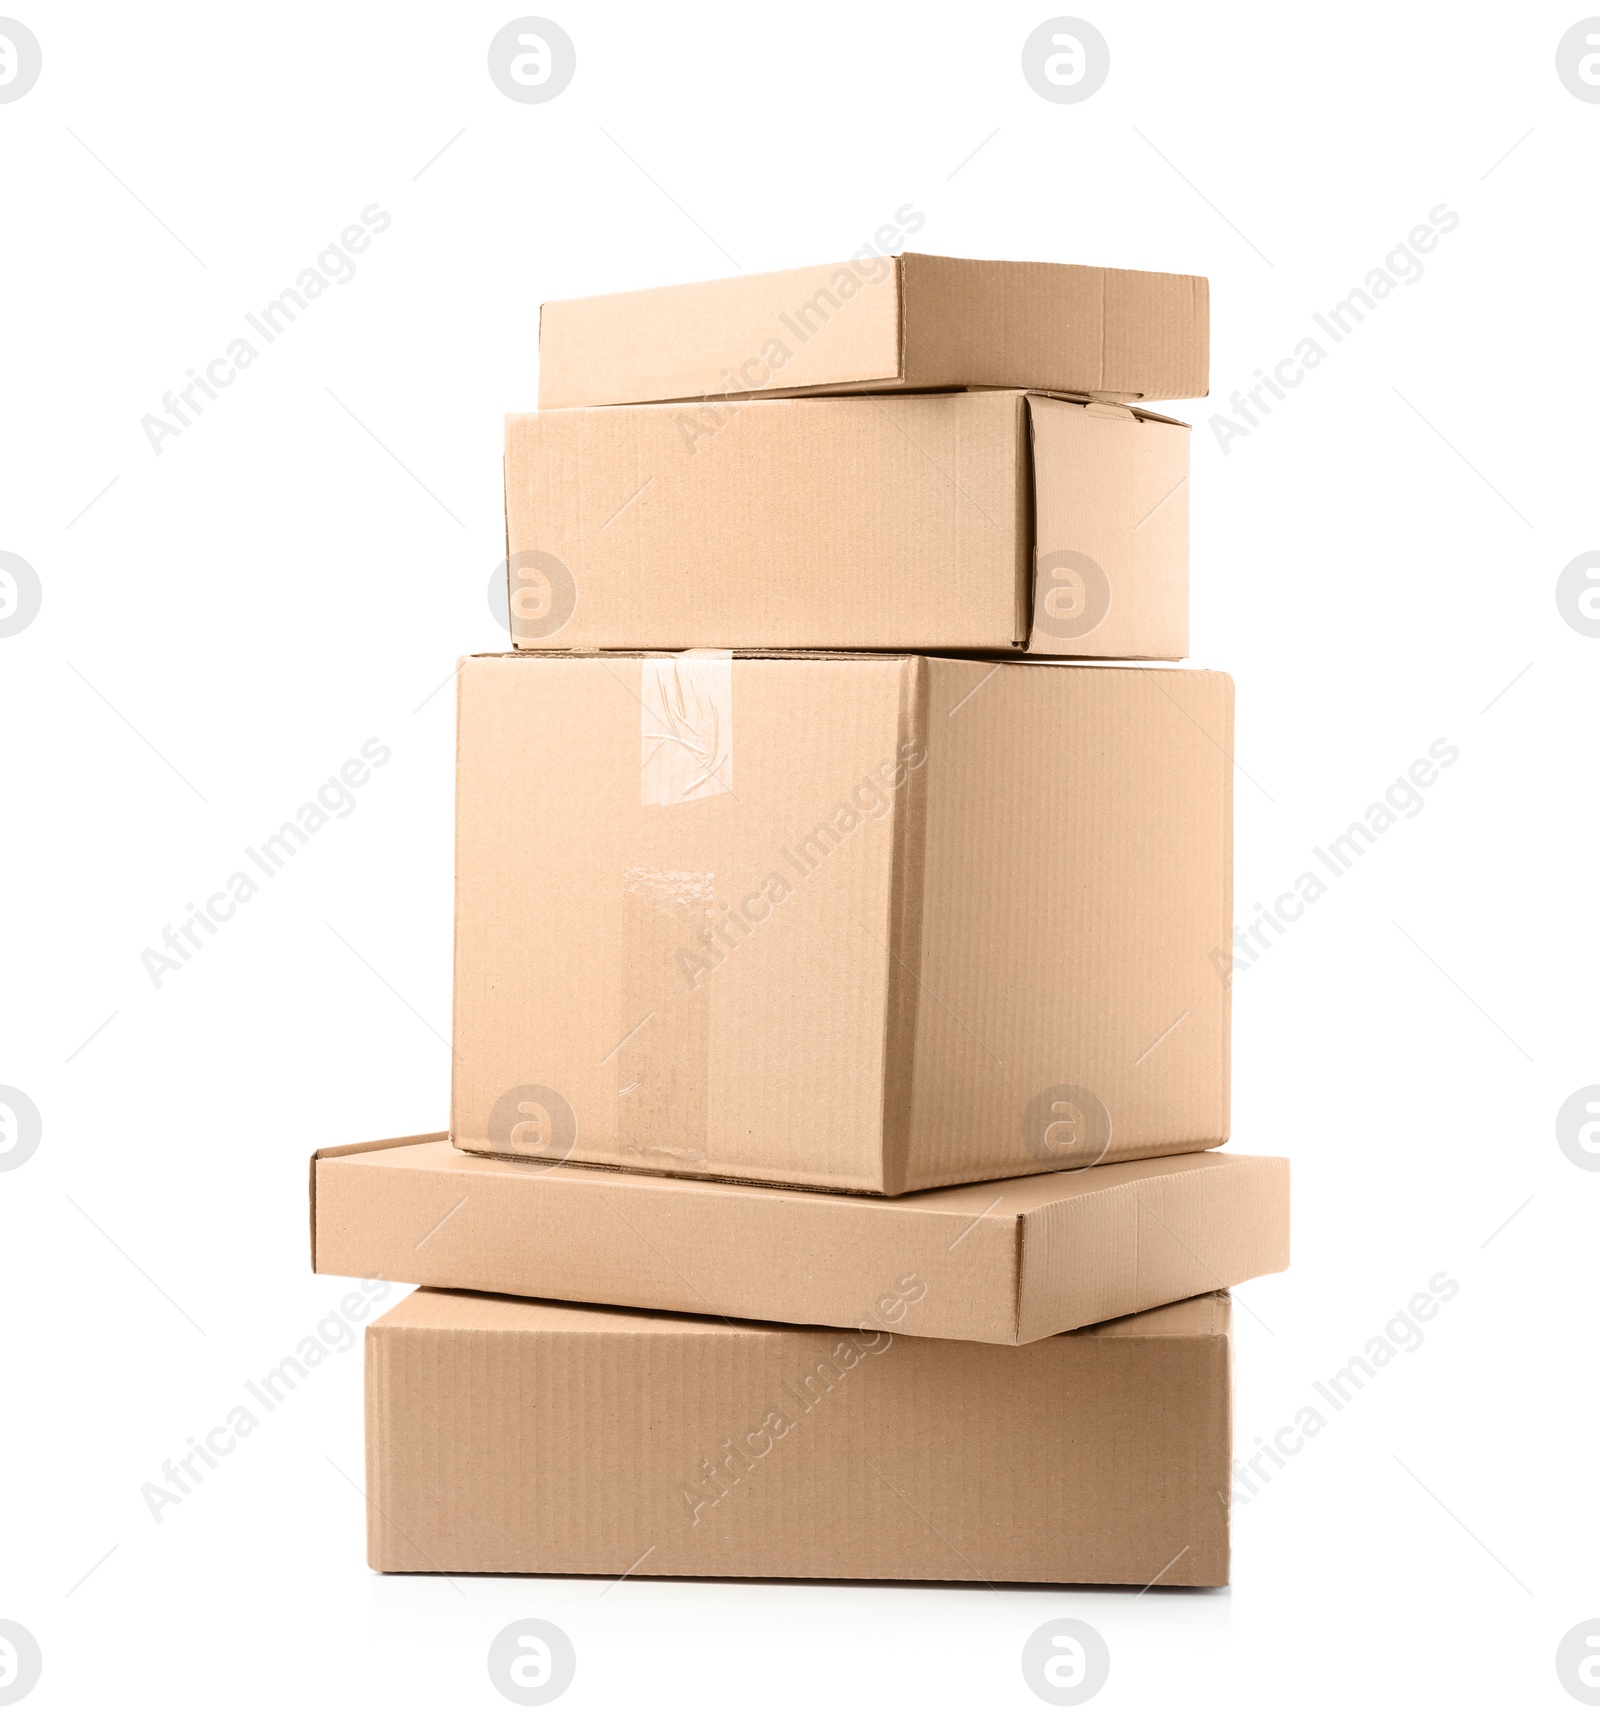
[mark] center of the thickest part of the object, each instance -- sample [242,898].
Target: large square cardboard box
[1006,1261]
[905,322]
[866,923]
[983,520]
[518,1436]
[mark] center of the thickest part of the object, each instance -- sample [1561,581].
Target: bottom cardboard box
[525,1436]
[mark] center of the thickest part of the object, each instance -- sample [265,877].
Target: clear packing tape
[663,1061]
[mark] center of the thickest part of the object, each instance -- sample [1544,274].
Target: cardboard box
[518,1436]
[867,923]
[991,520]
[906,322]
[1004,1261]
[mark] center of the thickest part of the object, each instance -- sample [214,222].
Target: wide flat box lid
[1006,1261]
[909,322]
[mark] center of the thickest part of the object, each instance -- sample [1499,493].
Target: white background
[296,573]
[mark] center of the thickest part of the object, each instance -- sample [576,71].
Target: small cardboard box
[906,322]
[989,521]
[867,923]
[1006,1261]
[519,1436]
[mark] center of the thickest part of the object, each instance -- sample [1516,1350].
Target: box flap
[1111,532]
[1207,1315]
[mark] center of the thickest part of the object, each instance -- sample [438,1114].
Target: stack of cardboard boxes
[840,1044]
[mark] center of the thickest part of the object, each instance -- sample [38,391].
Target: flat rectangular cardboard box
[988,520]
[1006,1261]
[905,322]
[517,1436]
[866,923]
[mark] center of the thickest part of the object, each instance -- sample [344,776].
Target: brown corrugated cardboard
[866,923]
[1003,1261]
[906,322]
[990,521]
[518,1436]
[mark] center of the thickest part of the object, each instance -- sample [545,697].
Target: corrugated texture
[904,928]
[352,1150]
[850,522]
[1125,335]
[1111,532]
[1077,883]
[793,964]
[510,1436]
[1157,327]
[915,939]
[1048,1251]
[662,1029]
[1129,1246]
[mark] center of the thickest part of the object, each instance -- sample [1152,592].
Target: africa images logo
[20,60]
[532,60]
[1066,1126]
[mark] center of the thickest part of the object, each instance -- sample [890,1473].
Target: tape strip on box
[663,1060]
[685,727]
